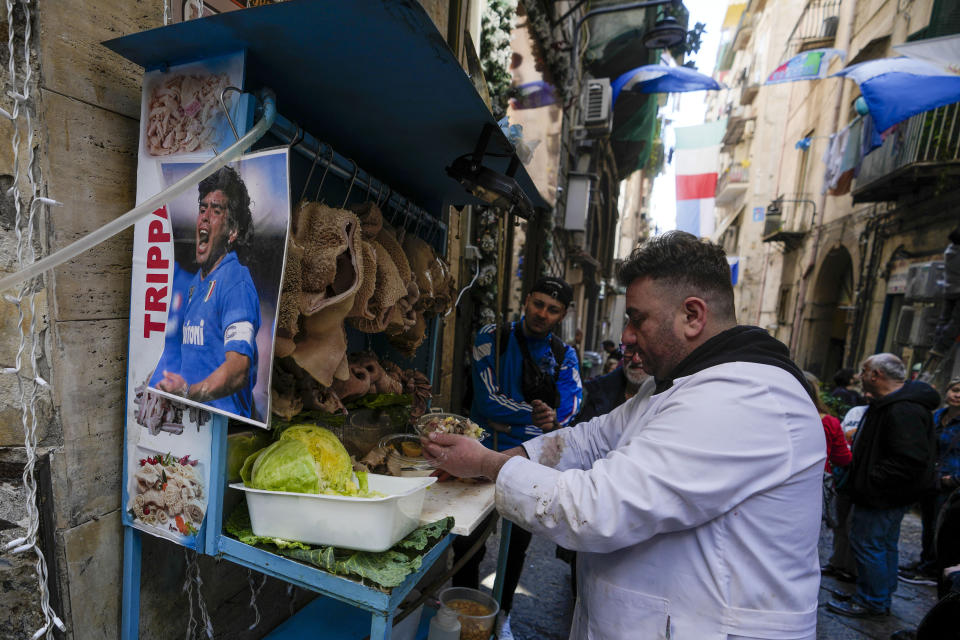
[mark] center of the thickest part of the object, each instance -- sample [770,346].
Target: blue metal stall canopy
[374,78]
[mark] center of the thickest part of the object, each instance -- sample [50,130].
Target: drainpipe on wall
[818,226]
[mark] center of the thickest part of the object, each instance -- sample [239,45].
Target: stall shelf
[376,80]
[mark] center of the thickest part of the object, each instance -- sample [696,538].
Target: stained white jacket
[695,512]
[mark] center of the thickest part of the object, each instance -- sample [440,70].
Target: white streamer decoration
[193,579]
[254,592]
[28,379]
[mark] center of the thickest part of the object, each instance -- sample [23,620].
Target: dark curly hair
[228,180]
[843,377]
[685,264]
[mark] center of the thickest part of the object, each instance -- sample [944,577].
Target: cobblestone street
[544,602]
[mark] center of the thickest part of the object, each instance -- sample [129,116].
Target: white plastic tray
[364,524]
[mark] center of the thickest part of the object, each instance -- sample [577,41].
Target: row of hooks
[397,209]
[400,212]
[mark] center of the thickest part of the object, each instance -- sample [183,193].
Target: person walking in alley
[946,422]
[613,356]
[675,503]
[948,326]
[841,564]
[838,451]
[835,508]
[536,389]
[893,467]
[844,388]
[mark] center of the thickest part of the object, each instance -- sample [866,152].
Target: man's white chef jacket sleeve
[702,453]
[580,446]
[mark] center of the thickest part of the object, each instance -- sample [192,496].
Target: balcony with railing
[920,152]
[816,28]
[731,184]
[788,219]
[738,128]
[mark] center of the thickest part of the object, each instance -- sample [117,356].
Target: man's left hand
[543,416]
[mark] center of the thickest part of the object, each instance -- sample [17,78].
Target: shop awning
[373,78]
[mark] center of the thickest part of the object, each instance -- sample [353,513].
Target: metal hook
[386,204]
[325,171]
[223,106]
[296,139]
[402,226]
[313,165]
[353,178]
[379,195]
[416,228]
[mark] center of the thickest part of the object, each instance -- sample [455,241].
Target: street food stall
[359,130]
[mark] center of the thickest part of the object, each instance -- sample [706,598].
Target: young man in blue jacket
[536,389]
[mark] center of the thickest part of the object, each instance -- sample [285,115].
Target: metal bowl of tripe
[439,422]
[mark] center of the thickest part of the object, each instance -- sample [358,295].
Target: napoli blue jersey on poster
[170,359]
[498,396]
[222,314]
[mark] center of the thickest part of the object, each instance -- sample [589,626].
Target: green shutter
[944,19]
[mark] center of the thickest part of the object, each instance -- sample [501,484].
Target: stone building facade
[826,273]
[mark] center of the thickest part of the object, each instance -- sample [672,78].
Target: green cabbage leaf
[333,462]
[306,459]
[286,465]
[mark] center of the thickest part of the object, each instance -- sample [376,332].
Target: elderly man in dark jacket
[894,457]
[604,394]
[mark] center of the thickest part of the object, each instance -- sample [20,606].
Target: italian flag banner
[697,157]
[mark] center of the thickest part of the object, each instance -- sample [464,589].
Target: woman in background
[841,564]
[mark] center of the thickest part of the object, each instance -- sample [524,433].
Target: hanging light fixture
[495,188]
[665,34]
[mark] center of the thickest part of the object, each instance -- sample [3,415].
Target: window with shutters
[944,21]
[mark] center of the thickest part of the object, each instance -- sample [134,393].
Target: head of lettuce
[306,459]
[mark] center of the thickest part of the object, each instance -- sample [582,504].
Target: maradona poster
[222,253]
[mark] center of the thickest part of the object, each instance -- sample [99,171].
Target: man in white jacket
[695,512]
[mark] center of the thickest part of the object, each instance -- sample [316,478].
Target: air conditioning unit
[904,325]
[748,128]
[596,107]
[925,281]
[924,325]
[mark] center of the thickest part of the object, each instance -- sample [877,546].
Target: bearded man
[695,513]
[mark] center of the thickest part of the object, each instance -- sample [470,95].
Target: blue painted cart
[374,80]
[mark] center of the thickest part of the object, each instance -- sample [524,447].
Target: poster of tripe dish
[225,241]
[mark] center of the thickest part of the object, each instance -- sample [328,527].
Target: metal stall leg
[381,626]
[506,527]
[130,603]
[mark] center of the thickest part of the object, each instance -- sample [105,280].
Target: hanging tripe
[352,266]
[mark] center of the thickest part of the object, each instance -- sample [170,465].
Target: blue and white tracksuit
[499,398]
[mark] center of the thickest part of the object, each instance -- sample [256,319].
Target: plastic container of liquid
[445,625]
